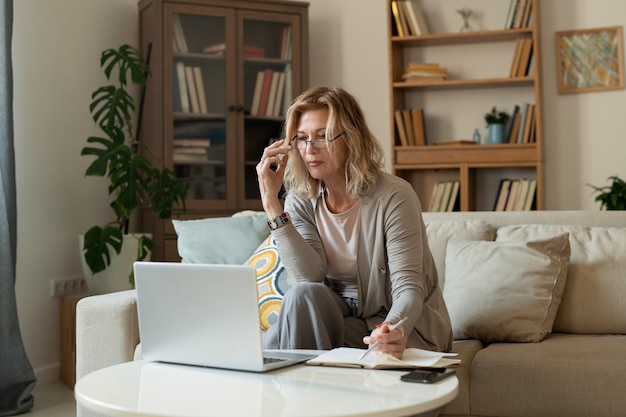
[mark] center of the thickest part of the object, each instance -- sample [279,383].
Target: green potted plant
[611,197]
[133,179]
[496,120]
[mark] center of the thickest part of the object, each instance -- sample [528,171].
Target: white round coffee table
[144,388]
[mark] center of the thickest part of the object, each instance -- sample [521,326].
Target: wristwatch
[279,221]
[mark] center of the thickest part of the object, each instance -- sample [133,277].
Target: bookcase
[223,74]
[451,79]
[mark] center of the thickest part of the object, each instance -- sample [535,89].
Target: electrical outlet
[61,287]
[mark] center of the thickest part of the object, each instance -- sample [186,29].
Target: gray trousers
[313,316]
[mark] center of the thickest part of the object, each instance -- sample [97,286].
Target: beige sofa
[537,301]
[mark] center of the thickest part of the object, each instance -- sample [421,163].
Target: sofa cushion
[219,240]
[440,232]
[505,291]
[593,301]
[272,280]
[565,375]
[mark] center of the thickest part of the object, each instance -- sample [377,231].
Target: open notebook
[411,358]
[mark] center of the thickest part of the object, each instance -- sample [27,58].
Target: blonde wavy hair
[364,157]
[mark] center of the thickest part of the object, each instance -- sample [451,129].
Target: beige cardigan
[396,272]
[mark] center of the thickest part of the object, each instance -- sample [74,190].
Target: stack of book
[190,150]
[522,64]
[445,196]
[408,18]
[424,73]
[189,89]
[411,127]
[519,15]
[219,49]
[269,93]
[522,126]
[516,195]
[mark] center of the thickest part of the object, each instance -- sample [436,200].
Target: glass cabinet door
[268,87]
[201,48]
[234,74]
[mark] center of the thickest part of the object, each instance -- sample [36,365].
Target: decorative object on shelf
[611,197]
[466,14]
[133,179]
[496,120]
[476,136]
[590,60]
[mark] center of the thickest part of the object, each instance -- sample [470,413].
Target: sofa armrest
[107,331]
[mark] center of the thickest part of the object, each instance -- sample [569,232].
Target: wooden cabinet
[223,74]
[479,64]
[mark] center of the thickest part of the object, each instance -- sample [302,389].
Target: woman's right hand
[270,172]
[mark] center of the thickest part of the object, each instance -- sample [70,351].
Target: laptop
[203,315]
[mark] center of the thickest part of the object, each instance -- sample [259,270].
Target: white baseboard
[48,374]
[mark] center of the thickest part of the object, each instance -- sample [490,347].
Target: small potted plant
[611,197]
[133,179]
[496,120]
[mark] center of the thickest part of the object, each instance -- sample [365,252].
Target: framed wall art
[590,60]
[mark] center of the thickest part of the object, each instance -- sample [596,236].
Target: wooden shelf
[467,87]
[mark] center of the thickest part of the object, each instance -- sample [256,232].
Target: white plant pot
[115,277]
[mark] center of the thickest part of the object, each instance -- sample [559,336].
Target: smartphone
[427,376]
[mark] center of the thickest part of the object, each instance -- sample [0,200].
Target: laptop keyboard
[267,360]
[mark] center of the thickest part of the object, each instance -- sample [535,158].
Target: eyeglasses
[319,143]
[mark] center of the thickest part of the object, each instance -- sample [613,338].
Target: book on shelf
[424,72]
[518,15]
[518,205]
[503,195]
[215,49]
[410,18]
[415,12]
[182,87]
[191,142]
[400,128]
[179,35]
[265,92]
[513,192]
[516,57]
[396,18]
[511,123]
[271,99]
[411,358]
[197,74]
[408,127]
[417,117]
[510,14]
[525,54]
[512,138]
[285,42]
[403,18]
[251,51]
[191,89]
[524,114]
[529,204]
[440,190]
[278,103]
[528,126]
[256,96]
[453,201]
[445,196]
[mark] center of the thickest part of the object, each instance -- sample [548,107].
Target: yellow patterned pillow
[272,280]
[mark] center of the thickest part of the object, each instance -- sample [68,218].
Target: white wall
[56,69]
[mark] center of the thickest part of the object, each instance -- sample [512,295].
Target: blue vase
[496,134]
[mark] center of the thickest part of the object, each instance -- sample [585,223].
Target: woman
[350,234]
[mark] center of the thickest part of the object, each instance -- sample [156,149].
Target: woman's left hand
[391,342]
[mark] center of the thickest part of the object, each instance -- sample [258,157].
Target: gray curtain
[17,378]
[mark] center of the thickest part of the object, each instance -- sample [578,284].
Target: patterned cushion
[272,280]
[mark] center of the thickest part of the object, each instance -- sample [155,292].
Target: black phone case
[427,376]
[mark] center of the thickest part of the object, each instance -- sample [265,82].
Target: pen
[392,328]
